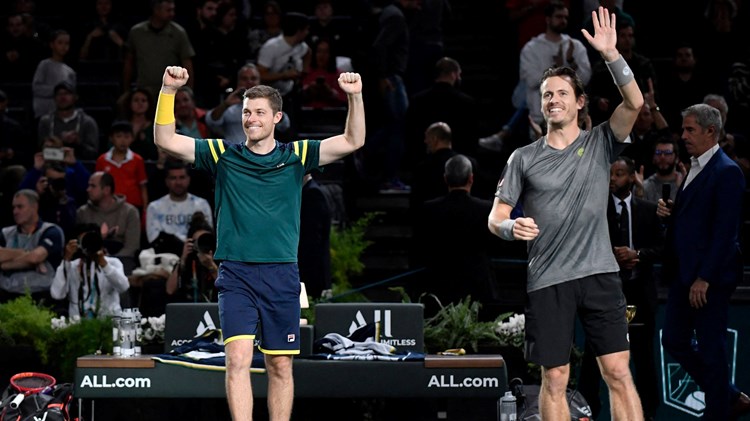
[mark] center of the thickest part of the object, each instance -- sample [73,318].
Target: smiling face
[258,119]
[559,102]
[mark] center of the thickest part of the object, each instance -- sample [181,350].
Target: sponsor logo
[452,381]
[580,151]
[679,390]
[290,337]
[203,325]
[386,333]
[96,381]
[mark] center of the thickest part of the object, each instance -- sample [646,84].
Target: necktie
[624,224]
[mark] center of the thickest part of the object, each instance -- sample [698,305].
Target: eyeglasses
[657,153]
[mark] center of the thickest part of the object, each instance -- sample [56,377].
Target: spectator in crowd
[55,204]
[648,128]
[76,174]
[137,107]
[126,166]
[20,51]
[271,28]
[735,145]
[91,280]
[50,72]
[324,25]
[283,60]
[119,220]
[320,84]
[104,35]
[172,213]
[191,119]
[30,250]
[389,57]
[71,125]
[443,101]
[669,171]
[428,177]
[154,44]
[314,251]
[460,249]
[192,280]
[685,84]
[16,143]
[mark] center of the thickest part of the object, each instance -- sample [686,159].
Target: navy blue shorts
[551,313]
[260,299]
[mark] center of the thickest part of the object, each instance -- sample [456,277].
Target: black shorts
[550,318]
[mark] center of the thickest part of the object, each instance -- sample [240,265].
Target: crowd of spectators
[77,102]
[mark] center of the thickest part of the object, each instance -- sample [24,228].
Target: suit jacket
[648,239]
[704,227]
[454,244]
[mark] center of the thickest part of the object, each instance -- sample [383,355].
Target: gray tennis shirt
[566,192]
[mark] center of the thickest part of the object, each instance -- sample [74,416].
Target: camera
[53,154]
[91,242]
[205,243]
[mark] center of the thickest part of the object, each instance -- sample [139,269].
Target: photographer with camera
[192,280]
[91,280]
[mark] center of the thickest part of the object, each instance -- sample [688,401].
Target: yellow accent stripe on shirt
[221,145]
[213,150]
[296,148]
[304,151]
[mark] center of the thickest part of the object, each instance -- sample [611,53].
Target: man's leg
[553,402]
[624,401]
[280,387]
[239,355]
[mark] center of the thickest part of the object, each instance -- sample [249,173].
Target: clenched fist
[174,78]
[350,83]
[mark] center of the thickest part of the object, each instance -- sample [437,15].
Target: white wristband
[506,229]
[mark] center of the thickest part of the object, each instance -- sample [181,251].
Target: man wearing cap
[70,126]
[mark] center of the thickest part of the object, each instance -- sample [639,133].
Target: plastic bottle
[116,342]
[127,333]
[507,407]
[138,331]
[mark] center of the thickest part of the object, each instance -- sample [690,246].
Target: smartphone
[53,154]
[666,193]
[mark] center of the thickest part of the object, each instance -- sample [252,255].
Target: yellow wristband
[165,108]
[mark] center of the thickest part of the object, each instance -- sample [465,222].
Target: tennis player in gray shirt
[561,181]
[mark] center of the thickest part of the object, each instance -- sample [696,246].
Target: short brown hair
[263,91]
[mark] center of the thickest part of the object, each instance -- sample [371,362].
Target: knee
[279,366]
[238,358]
[616,373]
[555,379]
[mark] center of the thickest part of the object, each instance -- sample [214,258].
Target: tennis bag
[53,404]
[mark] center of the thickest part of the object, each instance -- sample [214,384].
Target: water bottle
[127,333]
[138,331]
[507,407]
[116,343]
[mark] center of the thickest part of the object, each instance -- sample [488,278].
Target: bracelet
[621,73]
[506,229]
[165,109]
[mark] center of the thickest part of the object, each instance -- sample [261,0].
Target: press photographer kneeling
[192,279]
[91,280]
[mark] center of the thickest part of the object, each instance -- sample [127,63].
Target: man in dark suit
[314,249]
[637,238]
[452,240]
[702,261]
